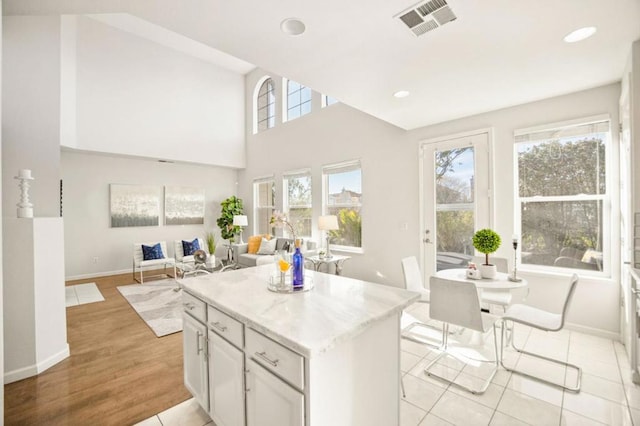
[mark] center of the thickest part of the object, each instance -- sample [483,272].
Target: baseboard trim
[98,274]
[593,331]
[35,369]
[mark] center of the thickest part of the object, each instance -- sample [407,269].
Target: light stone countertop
[336,309]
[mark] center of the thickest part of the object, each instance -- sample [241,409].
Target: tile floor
[80,294]
[607,397]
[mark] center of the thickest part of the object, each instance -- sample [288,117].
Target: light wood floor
[119,372]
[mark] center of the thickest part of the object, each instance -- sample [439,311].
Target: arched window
[264,105]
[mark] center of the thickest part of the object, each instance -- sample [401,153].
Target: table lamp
[241,221]
[328,223]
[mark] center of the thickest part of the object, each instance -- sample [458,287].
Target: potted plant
[487,241]
[210,239]
[232,206]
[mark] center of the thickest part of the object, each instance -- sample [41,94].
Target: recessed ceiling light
[580,34]
[292,26]
[401,94]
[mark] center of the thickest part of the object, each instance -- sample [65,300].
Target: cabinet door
[226,381]
[270,401]
[196,378]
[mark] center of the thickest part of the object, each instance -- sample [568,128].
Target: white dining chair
[542,320]
[501,298]
[457,303]
[413,282]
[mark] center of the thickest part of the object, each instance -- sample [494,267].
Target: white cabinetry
[226,369]
[270,401]
[195,359]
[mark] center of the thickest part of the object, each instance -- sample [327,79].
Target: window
[343,198]
[298,100]
[563,195]
[328,100]
[297,201]
[265,106]
[264,194]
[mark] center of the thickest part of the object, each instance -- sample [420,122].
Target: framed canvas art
[183,205]
[134,205]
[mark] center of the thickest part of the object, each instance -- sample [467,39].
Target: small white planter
[211,261]
[488,271]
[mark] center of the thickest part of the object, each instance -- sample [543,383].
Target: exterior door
[455,199]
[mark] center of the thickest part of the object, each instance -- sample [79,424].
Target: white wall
[136,97]
[1,257]
[31,111]
[86,178]
[389,158]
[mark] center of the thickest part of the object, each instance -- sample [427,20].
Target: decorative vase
[298,267]
[488,271]
[211,261]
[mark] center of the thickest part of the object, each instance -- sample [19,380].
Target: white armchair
[140,264]
[179,252]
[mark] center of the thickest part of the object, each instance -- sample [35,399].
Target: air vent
[426,16]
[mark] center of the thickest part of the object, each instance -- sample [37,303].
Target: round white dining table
[500,282]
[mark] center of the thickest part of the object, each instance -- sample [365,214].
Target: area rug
[158,304]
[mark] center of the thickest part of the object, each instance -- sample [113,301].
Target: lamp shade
[328,223]
[240,220]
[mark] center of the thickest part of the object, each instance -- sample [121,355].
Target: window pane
[350,222]
[299,191]
[293,100]
[563,233]
[566,166]
[293,86]
[331,101]
[305,94]
[265,110]
[454,234]
[344,199]
[454,176]
[301,220]
[263,217]
[264,194]
[293,113]
[305,108]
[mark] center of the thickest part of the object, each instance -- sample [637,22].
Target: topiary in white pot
[487,241]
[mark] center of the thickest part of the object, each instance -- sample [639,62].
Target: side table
[336,259]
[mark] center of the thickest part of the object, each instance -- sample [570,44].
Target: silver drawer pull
[264,357]
[218,326]
[190,306]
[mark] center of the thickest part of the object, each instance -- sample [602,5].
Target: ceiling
[496,54]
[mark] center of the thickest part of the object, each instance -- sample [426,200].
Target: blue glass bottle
[298,268]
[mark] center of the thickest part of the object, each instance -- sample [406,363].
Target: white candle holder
[514,277]
[25,208]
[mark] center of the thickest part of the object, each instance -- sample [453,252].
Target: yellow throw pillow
[254,244]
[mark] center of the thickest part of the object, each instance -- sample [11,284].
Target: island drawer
[225,326]
[276,358]
[194,306]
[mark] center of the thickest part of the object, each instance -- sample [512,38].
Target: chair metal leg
[578,370]
[485,386]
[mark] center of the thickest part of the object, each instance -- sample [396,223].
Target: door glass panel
[455,193]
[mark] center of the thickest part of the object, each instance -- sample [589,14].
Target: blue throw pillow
[189,247]
[152,252]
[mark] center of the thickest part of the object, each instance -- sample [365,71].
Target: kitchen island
[328,356]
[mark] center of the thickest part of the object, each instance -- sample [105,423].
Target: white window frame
[338,168]
[285,100]
[257,207]
[285,195]
[256,94]
[607,226]
[325,101]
